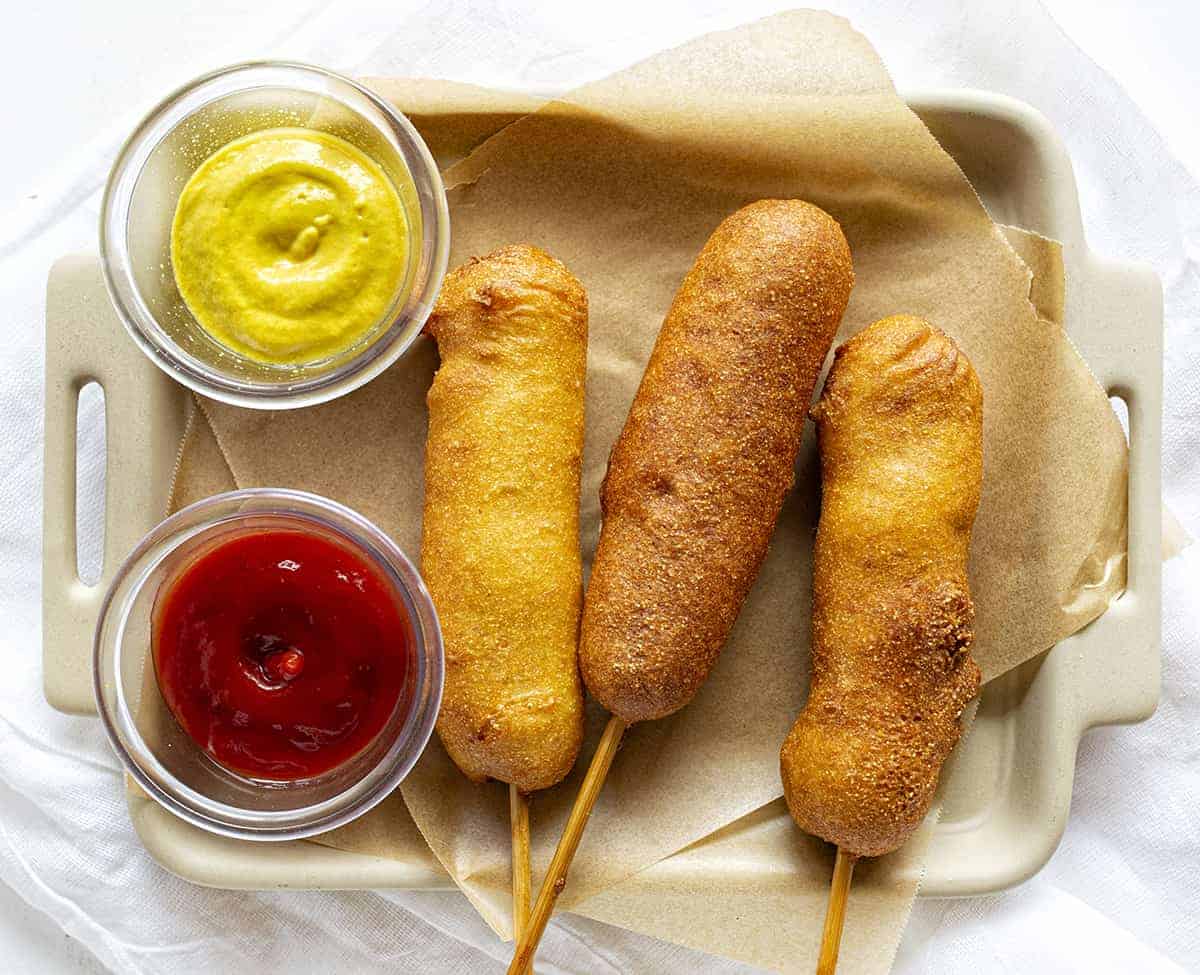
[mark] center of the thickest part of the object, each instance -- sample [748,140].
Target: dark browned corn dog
[698,475]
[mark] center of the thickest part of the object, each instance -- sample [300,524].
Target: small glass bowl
[165,761]
[170,144]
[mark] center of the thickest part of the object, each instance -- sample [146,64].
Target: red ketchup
[281,653]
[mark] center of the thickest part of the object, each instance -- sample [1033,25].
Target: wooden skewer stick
[835,914]
[518,810]
[556,876]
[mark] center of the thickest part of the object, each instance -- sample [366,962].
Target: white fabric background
[78,894]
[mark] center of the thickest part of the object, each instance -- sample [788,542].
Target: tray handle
[143,418]
[69,606]
[1124,307]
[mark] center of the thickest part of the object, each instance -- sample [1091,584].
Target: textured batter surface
[500,545]
[698,475]
[900,430]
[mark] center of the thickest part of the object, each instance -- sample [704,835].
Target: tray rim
[326,868]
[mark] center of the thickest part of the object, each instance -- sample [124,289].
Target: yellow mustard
[288,245]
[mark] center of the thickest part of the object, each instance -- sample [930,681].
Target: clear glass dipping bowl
[165,761]
[170,144]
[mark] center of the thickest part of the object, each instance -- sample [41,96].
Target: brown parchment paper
[624,182]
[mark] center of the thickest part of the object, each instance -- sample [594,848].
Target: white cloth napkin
[1120,895]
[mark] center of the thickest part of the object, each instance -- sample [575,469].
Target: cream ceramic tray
[1007,793]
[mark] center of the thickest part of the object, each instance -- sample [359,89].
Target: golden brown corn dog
[500,546]
[900,431]
[698,475]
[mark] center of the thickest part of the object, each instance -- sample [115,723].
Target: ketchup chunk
[281,653]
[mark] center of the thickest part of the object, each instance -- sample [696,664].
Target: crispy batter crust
[900,430]
[500,546]
[698,475]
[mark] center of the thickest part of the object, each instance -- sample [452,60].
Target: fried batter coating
[900,430]
[500,547]
[698,475]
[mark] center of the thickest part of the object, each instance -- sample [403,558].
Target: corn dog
[900,431]
[500,546]
[698,475]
